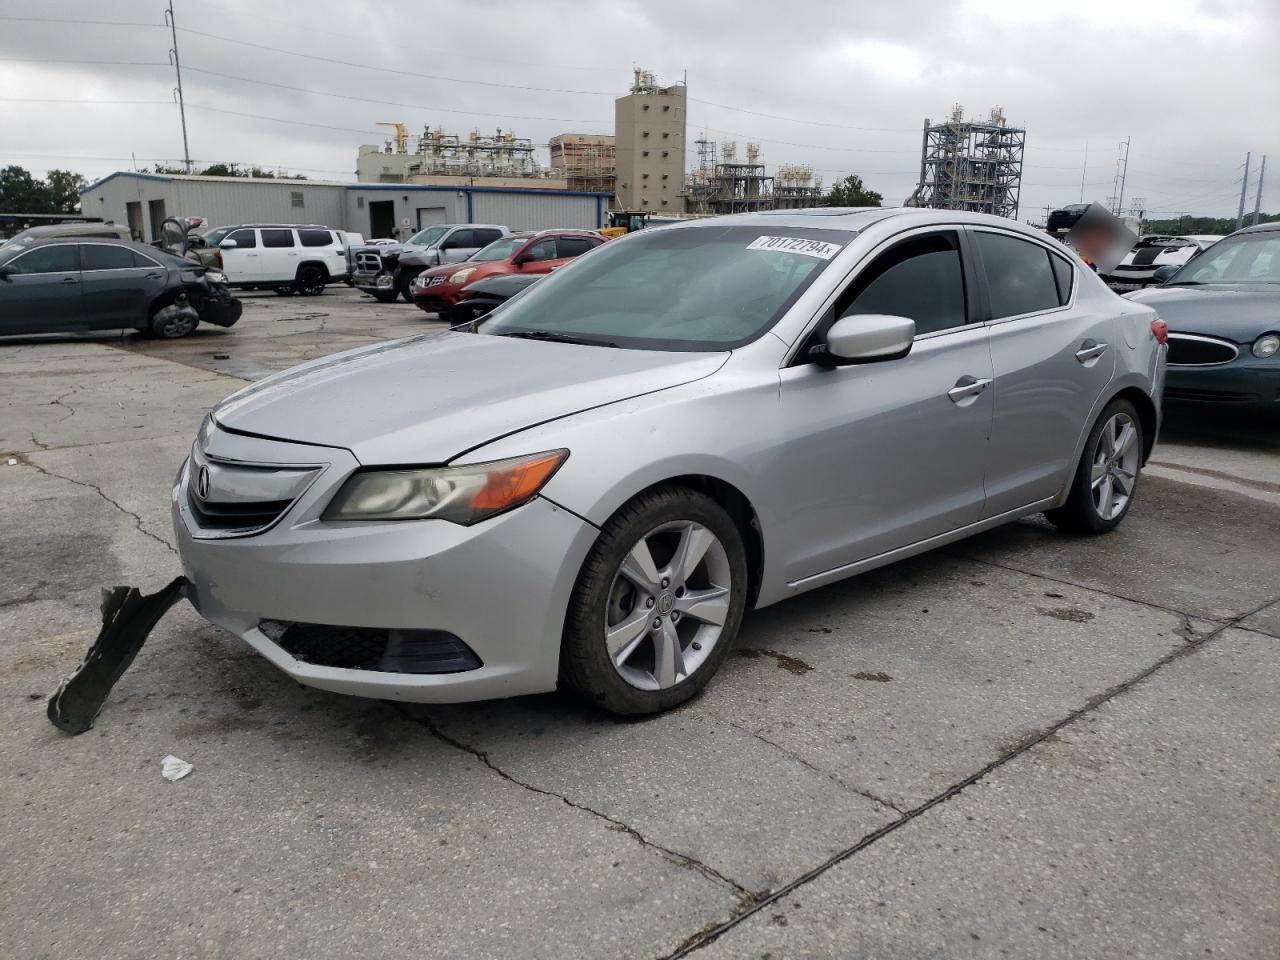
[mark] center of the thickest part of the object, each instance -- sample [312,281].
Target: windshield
[701,288]
[14,244]
[1246,258]
[500,249]
[428,237]
[214,237]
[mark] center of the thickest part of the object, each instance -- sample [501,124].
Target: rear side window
[920,278]
[485,237]
[60,259]
[1062,274]
[314,238]
[1020,278]
[574,246]
[543,250]
[277,238]
[243,238]
[100,256]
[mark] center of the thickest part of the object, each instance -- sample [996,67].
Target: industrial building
[971,165]
[143,200]
[649,124]
[734,186]
[585,161]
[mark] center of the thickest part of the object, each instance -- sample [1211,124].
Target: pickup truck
[386,271]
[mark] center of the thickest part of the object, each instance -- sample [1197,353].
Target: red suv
[436,290]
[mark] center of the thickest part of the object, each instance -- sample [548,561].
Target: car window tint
[1062,274]
[920,278]
[244,239]
[485,237]
[462,238]
[573,246]
[277,238]
[100,256]
[60,259]
[312,238]
[543,250]
[1019,277]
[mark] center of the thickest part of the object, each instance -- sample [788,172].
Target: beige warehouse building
[649,124]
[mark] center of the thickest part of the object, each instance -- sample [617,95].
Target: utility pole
[1084,170]
[177,66]
[1257,200]
[1244,189]
[1124,173]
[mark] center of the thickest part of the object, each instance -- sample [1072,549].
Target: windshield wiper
[556,338]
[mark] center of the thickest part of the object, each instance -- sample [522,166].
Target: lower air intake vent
[365,648]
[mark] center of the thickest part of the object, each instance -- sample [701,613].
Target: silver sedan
[592,484]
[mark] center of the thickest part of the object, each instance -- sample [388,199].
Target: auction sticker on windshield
[810,248]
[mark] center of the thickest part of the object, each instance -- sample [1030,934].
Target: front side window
[698,288]
[1020,277]
[920,278]
[277,238]
[245,239]
[542,250]
[460,240]
[100,256]
[64,258]
[1247,258]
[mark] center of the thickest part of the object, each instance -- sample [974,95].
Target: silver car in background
[593,484]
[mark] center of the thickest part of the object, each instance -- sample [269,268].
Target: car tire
[404,286]
[311,280]
[1106,479]
[173,320]
[640,643]
[285,290]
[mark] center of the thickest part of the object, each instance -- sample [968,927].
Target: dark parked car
[482,296]
[91,284]
[1060,221]
[1223,312]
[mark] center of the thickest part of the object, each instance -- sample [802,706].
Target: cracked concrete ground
[1028,745]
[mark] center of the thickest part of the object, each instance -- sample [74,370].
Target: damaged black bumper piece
[128,618]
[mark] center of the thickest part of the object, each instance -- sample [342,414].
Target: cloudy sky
[842,86]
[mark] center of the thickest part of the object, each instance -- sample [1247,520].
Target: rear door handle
[1090,351]
[967,389]
[70,279]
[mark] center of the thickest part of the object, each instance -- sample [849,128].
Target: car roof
[855,219]
[62,229]
[273,226]
[1259,228]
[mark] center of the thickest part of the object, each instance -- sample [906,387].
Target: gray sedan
[593,485]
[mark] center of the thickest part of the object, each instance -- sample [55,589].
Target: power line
[81,23]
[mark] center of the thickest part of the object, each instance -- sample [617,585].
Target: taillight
[1160,330]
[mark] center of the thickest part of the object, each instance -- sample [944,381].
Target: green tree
[64,188]
[22,193]
[851,192]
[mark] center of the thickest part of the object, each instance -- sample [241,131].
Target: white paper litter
[172,768]
[13,461]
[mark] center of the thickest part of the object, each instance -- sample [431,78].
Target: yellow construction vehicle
[625,221]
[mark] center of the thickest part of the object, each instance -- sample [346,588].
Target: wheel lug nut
[696,645]
[675,615]
[665,583]
[649,602]
[657,623]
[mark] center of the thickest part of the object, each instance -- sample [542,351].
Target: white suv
[287,258]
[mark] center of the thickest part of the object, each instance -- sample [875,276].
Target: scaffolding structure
[587,162]
[740,186]
[971,165]
[438,153]
[795,187]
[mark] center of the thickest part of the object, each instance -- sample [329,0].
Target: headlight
[1266,345]
[461,275]
[213,276]
[464,495]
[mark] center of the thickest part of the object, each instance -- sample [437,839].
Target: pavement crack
[709,933]
[681,859]
[834,778]
[137,520]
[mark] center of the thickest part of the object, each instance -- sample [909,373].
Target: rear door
[118,284]
[43,291]
[883,455]
[280,255]
[1052,360]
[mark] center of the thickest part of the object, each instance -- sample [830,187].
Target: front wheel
[657,604]
[1106,478]
[405,286]
[174,320]
[311,281]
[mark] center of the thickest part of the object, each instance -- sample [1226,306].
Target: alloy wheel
[1115,466]
[667,605]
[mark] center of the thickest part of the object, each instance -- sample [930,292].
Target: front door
[118,285]
[40,291]
[1051,361]
[241,263]
[542,257]
[883,455]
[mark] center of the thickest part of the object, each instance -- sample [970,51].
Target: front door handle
[967,389]
[70,279]
[1090,351]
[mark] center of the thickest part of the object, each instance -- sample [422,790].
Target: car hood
[1237,313]
[387,249]
[429,398]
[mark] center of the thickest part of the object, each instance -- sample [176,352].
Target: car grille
[367,648]
[435,281]
[236,517]
[368,262]
[1188,349]
[234,499]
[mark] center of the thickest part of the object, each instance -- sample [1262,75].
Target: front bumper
[371,282]
[221,311]
[1246,383]
[501,586]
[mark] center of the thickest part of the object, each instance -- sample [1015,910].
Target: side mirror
[1164,273]
[865,338]
[521,260]
[227,244]
[7,271]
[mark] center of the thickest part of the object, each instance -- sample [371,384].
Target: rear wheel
[311,280]
[657,604]
[1106,478]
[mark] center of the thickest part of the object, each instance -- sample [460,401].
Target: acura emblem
[202,483]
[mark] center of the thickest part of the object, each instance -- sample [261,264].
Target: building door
[155,211]
[133,213]
[430,216]
[382,219]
